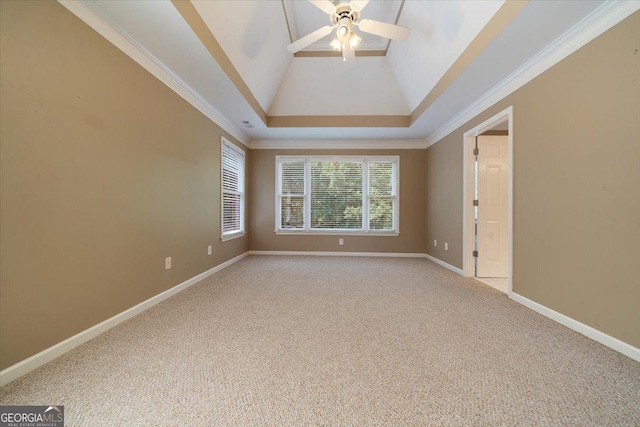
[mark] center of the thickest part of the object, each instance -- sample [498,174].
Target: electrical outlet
[167,263]
[446,246]
[209,250]
[341,242]
[435,243]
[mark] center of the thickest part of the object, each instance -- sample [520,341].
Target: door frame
[468,160]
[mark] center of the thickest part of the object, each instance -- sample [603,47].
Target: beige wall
[444,196]
[577,185]
[104,172]
[262,189]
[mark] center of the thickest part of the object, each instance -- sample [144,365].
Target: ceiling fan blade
[309,38]
[348,55]
[358,5]
[382,29]
[324,5]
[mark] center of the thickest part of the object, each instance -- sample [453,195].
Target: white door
[493,181]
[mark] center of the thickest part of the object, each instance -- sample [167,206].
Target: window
[232,191]
[339,195]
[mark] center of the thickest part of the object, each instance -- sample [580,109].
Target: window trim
[365,231]
[224,237]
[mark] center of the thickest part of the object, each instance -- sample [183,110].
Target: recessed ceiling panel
[254,36]
[324,86]
[440,32]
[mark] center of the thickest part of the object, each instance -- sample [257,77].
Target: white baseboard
[444,264]
[364,254]
[21,368]
[587,331]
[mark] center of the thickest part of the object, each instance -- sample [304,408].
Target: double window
[344,194]
[233,192]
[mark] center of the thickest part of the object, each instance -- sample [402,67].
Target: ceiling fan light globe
[343,33]
[335,44]
[354,40]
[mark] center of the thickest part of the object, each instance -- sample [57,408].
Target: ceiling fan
[345,17]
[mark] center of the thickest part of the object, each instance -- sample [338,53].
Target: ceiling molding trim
[498,22]
[597,22]
[286,19]
[338,144]
[191,16]
[344,121]
[335,53]
[117,36]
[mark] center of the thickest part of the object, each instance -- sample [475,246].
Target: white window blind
[233,173]
[292,192]
[338,194]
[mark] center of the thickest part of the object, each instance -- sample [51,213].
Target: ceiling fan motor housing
[344,13]
[344,17]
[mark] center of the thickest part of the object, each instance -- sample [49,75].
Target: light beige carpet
[338,341]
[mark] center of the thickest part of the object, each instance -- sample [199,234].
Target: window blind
[233,173]
[292,193]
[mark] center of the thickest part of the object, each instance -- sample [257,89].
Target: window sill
[233,236]
[337,233]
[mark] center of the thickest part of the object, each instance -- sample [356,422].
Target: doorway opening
[488,202]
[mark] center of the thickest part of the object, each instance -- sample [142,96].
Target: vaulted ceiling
[230,60]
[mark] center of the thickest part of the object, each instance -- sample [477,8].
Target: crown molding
[127,44]
[337,144]
[597,22]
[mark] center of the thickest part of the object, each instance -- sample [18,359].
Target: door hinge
[475,202]
[475,254]
[476,151]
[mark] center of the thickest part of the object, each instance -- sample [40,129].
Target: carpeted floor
[308,341]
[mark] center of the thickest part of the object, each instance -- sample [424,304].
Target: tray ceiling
[231,57]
